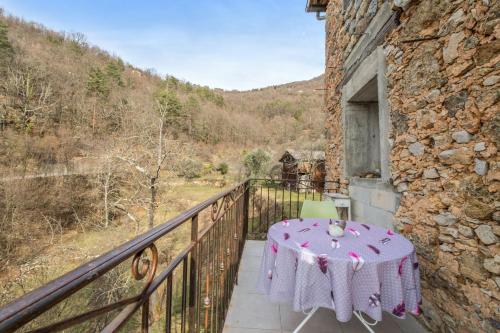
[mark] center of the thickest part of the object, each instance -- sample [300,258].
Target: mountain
[63,99]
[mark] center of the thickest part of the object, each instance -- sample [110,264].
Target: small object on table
[336,228]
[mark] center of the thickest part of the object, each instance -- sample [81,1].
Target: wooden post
[193,292]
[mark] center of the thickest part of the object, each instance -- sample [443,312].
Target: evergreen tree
[6,49]
[97,83]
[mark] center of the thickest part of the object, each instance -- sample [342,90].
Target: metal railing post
[246,204]
[193,290]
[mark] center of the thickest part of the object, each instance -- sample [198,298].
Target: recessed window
[362,132]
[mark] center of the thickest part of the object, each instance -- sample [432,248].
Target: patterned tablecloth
[369,269]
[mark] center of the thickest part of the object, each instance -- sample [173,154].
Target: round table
[369,269]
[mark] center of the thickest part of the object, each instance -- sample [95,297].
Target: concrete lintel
[376,24]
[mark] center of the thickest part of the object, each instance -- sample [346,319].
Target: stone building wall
[443,80]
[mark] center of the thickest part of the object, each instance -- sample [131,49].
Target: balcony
[207,286]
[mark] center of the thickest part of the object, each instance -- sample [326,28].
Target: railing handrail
[29,306]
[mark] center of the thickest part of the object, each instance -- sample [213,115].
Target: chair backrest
[318,209]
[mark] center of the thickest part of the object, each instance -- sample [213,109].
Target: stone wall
[443,91]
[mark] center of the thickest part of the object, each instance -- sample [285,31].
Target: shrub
[223,168]
[190,169]
[255,163]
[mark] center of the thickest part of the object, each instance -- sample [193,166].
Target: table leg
[364,322]
[303,322]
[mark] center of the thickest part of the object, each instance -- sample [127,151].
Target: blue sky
[230,44]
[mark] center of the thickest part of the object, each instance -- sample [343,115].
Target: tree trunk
[106,204]
[152,203]
[160,144]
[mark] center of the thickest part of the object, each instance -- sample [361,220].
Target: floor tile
[253,311]
[410,325]
[247,282]
[323,321]
[249,264]
[230,329]
[254,248]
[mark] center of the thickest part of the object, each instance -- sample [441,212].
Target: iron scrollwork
[144,266]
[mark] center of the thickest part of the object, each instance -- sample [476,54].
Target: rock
[471,42]
[480,167]
[471,266]
[456,156]
[402,187]
[372,8]
[446,239]
[485,234]
[445,219]
[416,148]
[491,80]
[461,137]
[476,209]
[440,140]
[451,231]
[433,95]
[496,216]
[455,103]
[411,139]
[465,231]
[431,173]
[401,3]
[450,51]
[425,118]
[492,265]
[486,52]
[448,248]
[480,146]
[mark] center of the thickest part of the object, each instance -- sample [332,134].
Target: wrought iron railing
[273,200]
[186,292]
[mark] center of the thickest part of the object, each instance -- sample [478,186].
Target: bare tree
[149,162]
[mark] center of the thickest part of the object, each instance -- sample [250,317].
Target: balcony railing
[186,292]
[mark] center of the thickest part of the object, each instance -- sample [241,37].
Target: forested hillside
[94,151]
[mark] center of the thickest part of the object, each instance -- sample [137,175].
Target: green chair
[318,209]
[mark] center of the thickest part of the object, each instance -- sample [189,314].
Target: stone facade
[439,89]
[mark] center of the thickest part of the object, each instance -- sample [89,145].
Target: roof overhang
[316,6]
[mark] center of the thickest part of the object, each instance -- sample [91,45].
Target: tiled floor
[251,312]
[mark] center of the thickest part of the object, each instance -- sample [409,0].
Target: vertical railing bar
[207,281]
[184,291]
[220,262]
[168,305]
[290,202]
[145,317]
[267,209]
[199,281]
[283,202]
[193,271]
[260,209]
[213,279]
[275,203]
[252,193]
[246,203]
[298,199]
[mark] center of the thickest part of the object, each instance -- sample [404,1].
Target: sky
[229,44]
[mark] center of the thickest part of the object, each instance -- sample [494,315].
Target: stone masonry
[443,79]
